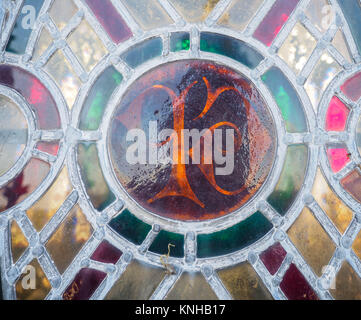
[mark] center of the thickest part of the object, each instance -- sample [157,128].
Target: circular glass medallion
[192,140]
[13,133]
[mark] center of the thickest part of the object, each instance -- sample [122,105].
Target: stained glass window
[177,149]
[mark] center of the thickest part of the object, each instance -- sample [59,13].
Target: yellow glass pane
[45,208]
[68,239]
[60,69]
[312,241]
[347,285]
[29,287]
[337,211]
[340,44]
[239,13]
[297,48]
[18,241]
[243,283]
[191,286]
[138,282]
[61,12]
[323,73]
[86,45]
[194,11]
[148,14]
[44,41]
[356,246]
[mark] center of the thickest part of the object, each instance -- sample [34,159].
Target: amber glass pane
[191,286]
[347,285]
[30,288]
[312,241]
[18,241]
[138,282]
[69,238]
[243,283]
[337,211]
[43,210]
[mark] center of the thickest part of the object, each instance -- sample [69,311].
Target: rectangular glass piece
[94,182]
[230,47]
[272,24]
[291,179]
[84,284]
[191,286]
[243,283]
[51,148]
[287,100]
[98,98]
[24,24]
[160,244]
[234,238]
[138,282]
[352,12]
[179,41]
[130,227]
[295,286]
[110,19]
[148,14]
[143,52]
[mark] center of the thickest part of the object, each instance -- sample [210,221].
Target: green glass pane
[130,227]
[286,99]
[160,244]
[179,41]
[233,238]
[230,47]
[143,52]
[291,179]
[92,176]
[98,98]
[24,26]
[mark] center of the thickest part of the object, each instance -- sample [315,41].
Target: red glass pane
[336,116]
[84,284]
[352,87]
[106,253]
[352,184]
[272,258]
[338,158]
[110,19]
[36,94]
[48,147]
[295,286]
[274,21]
